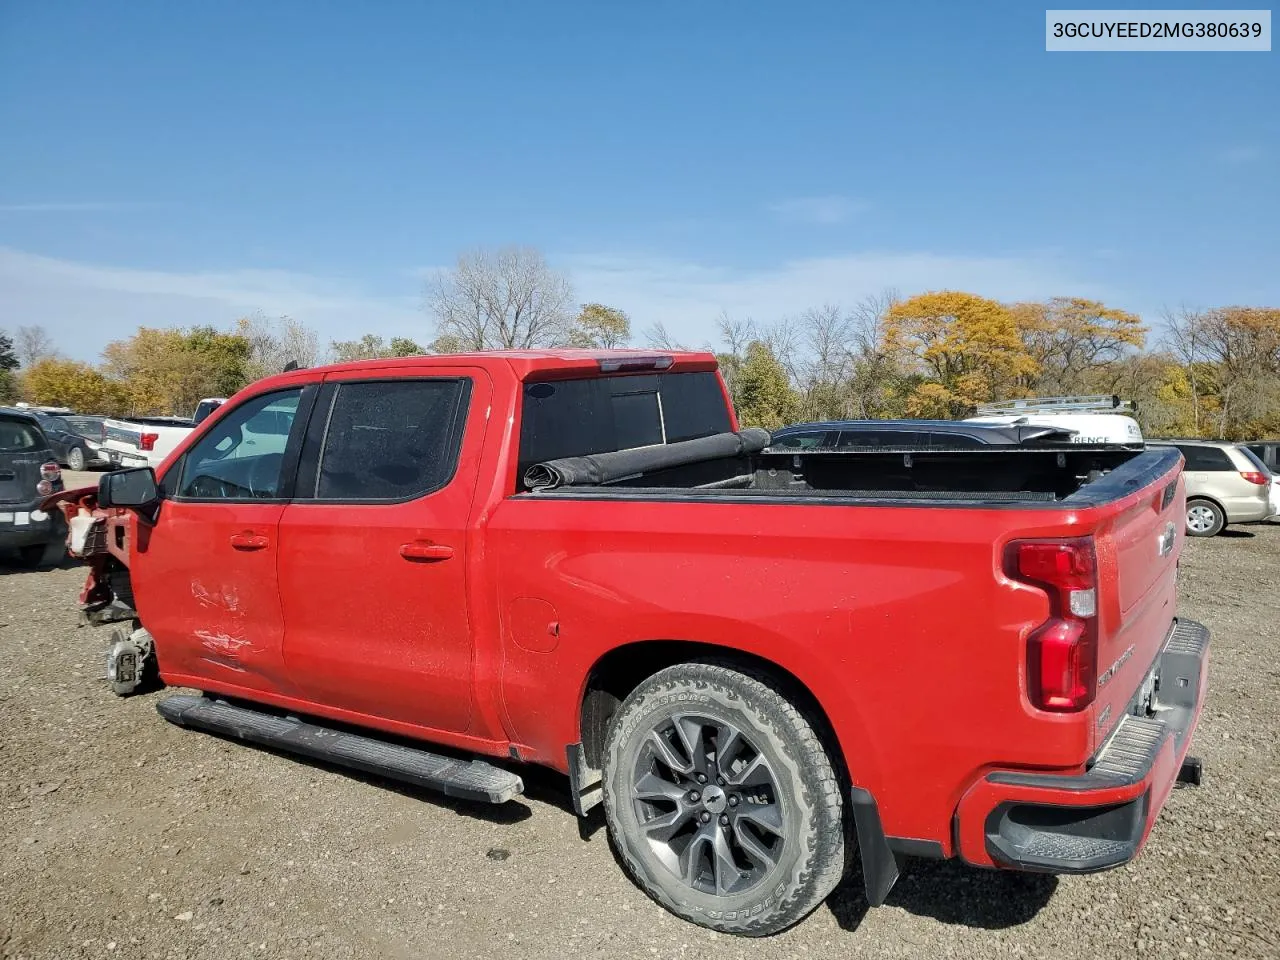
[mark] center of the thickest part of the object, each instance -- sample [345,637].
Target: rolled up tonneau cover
[606,467]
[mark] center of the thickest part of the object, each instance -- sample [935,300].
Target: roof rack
[1100,403]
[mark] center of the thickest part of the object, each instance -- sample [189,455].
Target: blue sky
[166,163]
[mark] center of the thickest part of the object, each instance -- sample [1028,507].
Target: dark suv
[28,474]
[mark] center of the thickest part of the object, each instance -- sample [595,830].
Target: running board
[467,780]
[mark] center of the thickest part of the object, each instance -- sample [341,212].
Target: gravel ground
[124,836]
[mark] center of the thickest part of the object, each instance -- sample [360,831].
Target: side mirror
[128,488]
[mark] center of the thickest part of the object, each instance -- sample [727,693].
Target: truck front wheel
[722,801]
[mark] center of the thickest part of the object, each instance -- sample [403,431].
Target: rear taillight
[1254,477]
[49,474]
[1062,653]
[148,441]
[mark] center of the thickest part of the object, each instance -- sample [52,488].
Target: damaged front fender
[102,537]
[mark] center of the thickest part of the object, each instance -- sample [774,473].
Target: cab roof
[550,363]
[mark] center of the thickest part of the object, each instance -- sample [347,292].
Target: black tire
[1204,518]
[75,458]
[42,554]
[788,870]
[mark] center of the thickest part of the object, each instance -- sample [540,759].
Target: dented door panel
[211,595]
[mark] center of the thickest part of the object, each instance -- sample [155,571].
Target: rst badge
[1164,542]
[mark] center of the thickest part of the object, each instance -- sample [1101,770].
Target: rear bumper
[1101,818]
[25,525]
[1249,511]
[125,458]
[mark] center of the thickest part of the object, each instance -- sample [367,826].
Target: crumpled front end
[102,537]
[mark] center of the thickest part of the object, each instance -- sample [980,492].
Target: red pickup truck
[758,660]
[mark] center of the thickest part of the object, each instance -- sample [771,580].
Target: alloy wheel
[1200,518]
[708,804]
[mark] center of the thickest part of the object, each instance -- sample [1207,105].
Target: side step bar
[467,780]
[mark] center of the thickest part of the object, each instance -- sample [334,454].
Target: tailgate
[1138,551]
[19,475]
[23,449]
[122,434]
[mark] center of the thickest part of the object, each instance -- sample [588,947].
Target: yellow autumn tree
[965,349]
[1073,339]
[169,371]
[69,383]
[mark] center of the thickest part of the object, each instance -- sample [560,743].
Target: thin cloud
[687,296]
[827,210]
[69,206]
[1240,155]
[85,305]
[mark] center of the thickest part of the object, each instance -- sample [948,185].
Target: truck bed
[1069,475]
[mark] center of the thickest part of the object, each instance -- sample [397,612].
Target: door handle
[424,550]
[248,541]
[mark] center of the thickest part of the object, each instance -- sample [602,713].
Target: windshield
[205,408]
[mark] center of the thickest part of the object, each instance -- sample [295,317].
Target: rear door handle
[248,541]
[423,550]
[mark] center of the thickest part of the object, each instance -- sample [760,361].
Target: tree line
[1212,372]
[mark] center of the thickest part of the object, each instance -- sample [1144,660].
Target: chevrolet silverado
[759,660]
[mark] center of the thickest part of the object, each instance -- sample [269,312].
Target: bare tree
[1239,348]
[785,342]
[33,344]
[502,300]
[1184,339]
[867,320]
[275,342]
[874,371]
[736,335]
[658,337]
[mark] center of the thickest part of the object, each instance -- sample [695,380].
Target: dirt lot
[124,836]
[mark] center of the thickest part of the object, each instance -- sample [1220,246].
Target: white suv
[1226,483]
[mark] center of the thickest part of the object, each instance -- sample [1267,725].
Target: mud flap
[881,865]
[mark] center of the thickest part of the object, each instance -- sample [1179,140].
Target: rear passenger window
[800,441]
[576,418]
[1206,458]
[954,441]
[391,439]
[872,439]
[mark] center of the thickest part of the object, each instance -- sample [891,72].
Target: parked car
[1268,451]
[1226,484]
[76,440]
[28,474]
[576,559]
[94,431]
[910,434]
[1092,419]
[146,441]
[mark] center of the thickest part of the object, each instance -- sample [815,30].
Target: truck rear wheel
[722,801]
